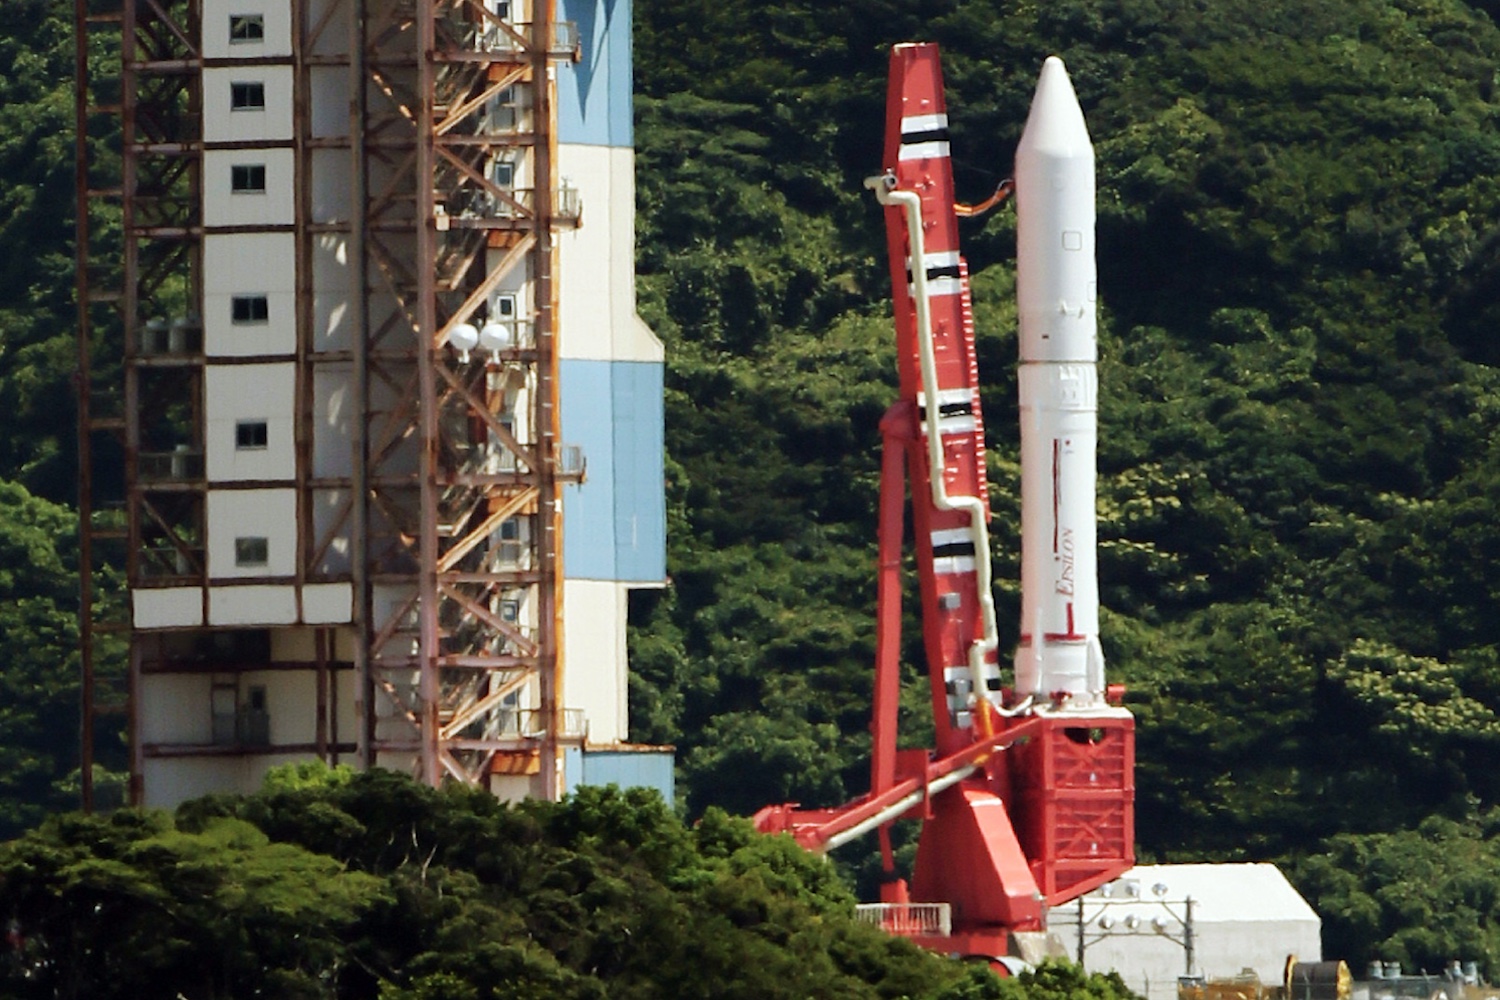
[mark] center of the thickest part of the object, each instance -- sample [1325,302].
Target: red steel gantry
[1022,808]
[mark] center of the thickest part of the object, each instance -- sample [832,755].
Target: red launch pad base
[1048,816]
[1074,787]
[1051,819]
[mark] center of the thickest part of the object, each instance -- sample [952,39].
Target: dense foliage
[328,884]
[1300,271]
[39,687]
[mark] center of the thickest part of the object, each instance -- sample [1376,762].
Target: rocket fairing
[1059,656]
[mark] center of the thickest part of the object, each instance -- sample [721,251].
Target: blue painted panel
[594,94]
[640,493]
[589,510]
[616,522]
[572,769]
[631,769]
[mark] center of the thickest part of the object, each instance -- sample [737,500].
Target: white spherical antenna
[497,336]
[463,338]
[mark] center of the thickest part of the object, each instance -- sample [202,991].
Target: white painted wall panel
[333,279]
[270,514]
[512,787]
[344,644]
[277,19]
[334,16]
[516,282]
[330,103]
[298,643]
[291,702]
[172,781]
[235,394]
[168,607]
[330,185]
[223,123]
[333,421]
[174,708]
[293,644]
[252,604]
[345,710]
[585,307]
[242,262]
[329,514]
[327,603]
[223,207]
[596,261]
[595,677]
[237,264]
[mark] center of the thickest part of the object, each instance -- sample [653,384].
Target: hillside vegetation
[371,887]
[1300,278]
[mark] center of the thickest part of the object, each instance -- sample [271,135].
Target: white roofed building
[1161,922]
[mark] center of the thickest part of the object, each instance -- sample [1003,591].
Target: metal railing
[908,919]
[490,37]
[566,204]
[164,560]
[530,723]
[178,465]
[183,336]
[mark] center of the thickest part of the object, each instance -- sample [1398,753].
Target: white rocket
[1059,658]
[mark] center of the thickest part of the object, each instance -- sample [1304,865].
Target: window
[510,610]
[248,178]
[250,435]
[505,173]
[507,461]
[245,28]
[249,309]
[248,96]
[505,109]
[509,546]
[251,551]
[505,307]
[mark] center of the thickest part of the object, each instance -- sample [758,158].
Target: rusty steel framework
[436,470]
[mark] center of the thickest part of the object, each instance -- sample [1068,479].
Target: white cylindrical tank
[1056,287]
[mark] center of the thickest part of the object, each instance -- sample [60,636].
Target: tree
[371,886]
[38,663]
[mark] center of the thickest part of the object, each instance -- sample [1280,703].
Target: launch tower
[351,357]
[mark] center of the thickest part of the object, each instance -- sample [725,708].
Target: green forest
[1299,480]
[371,887]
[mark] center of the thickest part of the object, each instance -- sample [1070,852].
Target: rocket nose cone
[1055,125]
